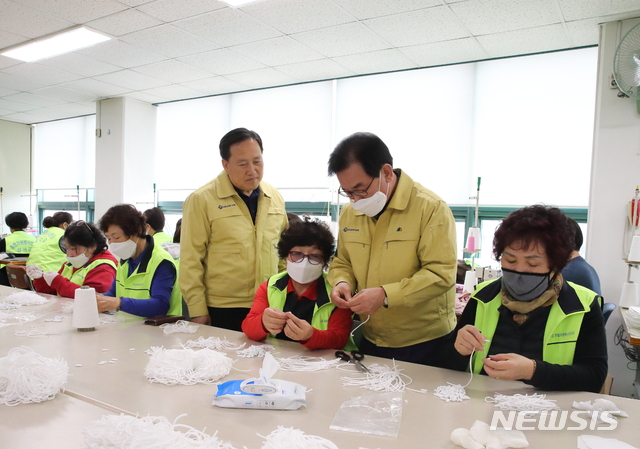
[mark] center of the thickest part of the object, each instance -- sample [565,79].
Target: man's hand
[273,320]
[202,319]
[340,294]
[468,339]
[297,329]
[367,301]
[509,367]
[106,303]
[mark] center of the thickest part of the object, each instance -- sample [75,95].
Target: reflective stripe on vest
[138,285]
[81,273]
[19,242]
[560,333]
[46,252]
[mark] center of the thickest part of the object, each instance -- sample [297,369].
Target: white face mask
[303,272]
[78,261]
[123,250]
[374,204]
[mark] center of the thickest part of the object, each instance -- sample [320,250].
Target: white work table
[426,420]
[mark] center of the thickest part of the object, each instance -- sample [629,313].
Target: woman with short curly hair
[530,324]
[295,305]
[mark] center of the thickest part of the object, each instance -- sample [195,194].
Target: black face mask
[525,286]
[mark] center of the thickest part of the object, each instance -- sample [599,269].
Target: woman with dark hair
[47,251]
[295,305]
[530,324]
[88,263]
[146,282]
[18,242]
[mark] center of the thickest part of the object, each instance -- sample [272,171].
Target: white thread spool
[85,309]
[470,281]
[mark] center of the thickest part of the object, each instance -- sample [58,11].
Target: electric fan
[626,64]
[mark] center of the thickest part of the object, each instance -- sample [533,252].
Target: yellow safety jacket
[410,251]
[81,273]
[322,309]
[46,252]
[224,256]
[19,242]
[561,331]
[138,285]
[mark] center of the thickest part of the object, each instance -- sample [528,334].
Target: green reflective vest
[138,285]
[19,242]
[81,273]
[561,331]
[161,237]
[46,252]
[323,307]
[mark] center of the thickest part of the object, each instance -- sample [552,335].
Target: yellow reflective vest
[46,252]
[224,256]
[138,285]
[19,242]
[161,237]
[561,331]
[81,273]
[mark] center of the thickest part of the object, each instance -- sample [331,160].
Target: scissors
[355,357]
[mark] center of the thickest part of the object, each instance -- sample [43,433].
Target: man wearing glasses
[396,260]
[229,232]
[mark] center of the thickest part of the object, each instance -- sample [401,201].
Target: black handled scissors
[355,357]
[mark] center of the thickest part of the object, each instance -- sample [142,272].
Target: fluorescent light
[56,44]
[237,3]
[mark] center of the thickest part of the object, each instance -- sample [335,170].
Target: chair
[18,278]
[607,308]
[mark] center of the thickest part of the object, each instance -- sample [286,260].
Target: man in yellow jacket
[396,260]
[230,230]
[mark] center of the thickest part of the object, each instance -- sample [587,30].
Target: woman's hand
[107,302]
[468,339]
[297,329]
[509,367]
[273,320]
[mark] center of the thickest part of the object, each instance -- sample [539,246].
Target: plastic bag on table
[376,413]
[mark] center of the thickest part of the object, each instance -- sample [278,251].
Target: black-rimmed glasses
[358,193]
[314,259]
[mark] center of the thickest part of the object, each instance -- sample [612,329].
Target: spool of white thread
[470,281]
[85,309]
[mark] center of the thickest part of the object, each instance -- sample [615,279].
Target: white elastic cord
[523,402]
[379,378]
[290,438]
[360,325]
[305,363]
[35,332]
[10,319]
[179,326]
[186,366]
[26,377]
[55,319]
[455,392]
[17,300]
[255,351]
[149,432]
[214,343]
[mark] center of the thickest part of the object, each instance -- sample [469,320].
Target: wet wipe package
[263,392]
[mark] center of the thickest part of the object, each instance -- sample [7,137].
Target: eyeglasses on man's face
[356,193]
[314,259]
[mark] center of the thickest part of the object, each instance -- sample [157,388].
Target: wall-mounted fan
[626,64]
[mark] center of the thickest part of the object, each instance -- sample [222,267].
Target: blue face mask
[525,286]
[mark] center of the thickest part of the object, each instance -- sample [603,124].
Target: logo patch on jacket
[228,205]
[399,230]
[350,229]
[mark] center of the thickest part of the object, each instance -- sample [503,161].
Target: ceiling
[166,50]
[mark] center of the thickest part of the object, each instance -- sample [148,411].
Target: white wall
[614,176]
[15,169]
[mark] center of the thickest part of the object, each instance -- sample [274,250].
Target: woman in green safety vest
[295,305]
[530,324]
[146,282]
[47,252]
[87,262]
[18,242]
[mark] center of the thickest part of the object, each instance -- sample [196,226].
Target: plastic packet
[376,413]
